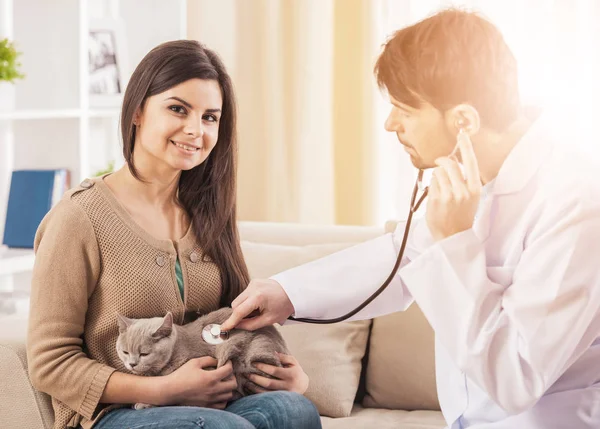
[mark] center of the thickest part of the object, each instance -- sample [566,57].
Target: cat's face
[145,345]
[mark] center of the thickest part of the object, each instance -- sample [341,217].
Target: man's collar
[527,156]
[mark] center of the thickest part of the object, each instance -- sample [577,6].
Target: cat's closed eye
[125,353]
[144,354]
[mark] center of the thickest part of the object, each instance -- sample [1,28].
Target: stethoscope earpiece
[462,125]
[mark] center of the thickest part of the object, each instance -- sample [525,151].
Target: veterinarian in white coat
[504,264]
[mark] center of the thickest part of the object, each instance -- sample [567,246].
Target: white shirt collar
[525,158]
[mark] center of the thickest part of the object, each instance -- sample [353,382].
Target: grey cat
[157,346]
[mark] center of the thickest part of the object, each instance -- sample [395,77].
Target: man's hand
[265,298]
[453,199]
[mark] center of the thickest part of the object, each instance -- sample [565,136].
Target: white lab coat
[514,301]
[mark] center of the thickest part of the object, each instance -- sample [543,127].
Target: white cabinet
[55,123]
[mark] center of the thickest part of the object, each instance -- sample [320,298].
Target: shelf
[41,114]
[16,260]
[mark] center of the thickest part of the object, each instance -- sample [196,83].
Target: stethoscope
[212,334]
[462,126]
[414,206]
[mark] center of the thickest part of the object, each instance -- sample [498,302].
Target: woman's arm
[191,384]
[124,388]
[66,270]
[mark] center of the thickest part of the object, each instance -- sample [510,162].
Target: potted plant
[9,73]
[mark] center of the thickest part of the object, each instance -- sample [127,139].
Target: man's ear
[166,328]
[463,116]
[124,323]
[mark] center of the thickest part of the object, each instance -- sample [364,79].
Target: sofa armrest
[21,405]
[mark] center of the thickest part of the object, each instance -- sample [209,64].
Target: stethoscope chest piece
[212,334]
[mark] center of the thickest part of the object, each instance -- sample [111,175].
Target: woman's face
[178,128]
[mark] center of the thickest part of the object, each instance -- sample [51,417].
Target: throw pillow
[401,371]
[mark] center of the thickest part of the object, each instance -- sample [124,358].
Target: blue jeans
[272,410]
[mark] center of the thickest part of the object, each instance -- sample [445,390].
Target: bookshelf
[51,120]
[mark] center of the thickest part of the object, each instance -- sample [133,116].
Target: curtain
[303,77]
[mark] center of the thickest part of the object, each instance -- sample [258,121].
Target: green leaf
[109,169]
[9,65]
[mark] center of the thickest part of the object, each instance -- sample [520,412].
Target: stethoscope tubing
[414,206]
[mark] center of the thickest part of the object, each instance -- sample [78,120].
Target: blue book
[32,194]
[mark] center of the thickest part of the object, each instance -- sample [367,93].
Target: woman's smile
[185,148]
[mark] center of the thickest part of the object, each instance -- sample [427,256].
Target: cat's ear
[166,328]
[124,323]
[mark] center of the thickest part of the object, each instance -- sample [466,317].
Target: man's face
[423,132]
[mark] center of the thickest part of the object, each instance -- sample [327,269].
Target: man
[504,263]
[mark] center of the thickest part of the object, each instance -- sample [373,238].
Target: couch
[363,374]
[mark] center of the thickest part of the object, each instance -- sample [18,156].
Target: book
[32,194]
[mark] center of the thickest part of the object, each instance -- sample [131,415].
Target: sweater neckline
[183,244]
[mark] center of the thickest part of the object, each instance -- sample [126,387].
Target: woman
[158,235]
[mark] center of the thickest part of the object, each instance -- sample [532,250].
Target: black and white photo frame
[107,61]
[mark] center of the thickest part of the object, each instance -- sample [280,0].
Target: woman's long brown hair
[208,191]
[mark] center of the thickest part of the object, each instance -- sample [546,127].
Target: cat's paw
[140,406]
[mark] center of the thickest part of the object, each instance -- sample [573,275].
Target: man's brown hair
[450,58]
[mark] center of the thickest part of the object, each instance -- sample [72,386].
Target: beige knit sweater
[92,261]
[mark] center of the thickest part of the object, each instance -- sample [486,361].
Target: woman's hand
[192,384]
[453,199]
[291,377]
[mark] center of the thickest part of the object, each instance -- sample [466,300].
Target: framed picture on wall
[107,63]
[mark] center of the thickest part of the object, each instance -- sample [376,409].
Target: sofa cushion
[330,354]
[386,419]
[401,370]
